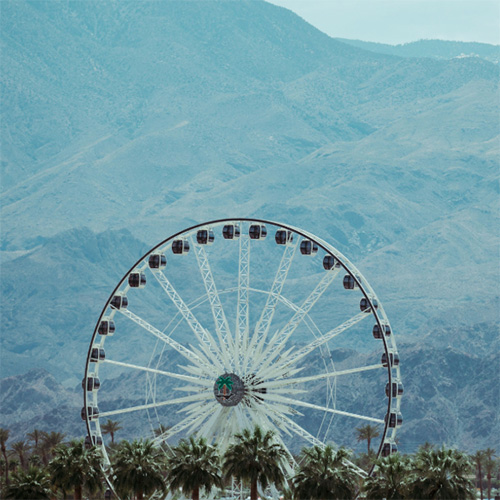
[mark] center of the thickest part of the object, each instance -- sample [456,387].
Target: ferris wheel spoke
[243,420]
[205,340]
[318,342]
[282,383]
[278,341]
[189,408]
[204,349]
[192,420]
[209,427]
[186,378]
[196,397]
[277,423]
[194,370]
[294,357]
[276,426]
[297,429]
[281,408]
[295,402]
[266,317]
[288,390]
[221,324]
[224,433]
[189,355]
[301,432]
[242,311]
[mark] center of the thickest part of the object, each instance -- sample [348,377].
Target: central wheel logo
[229,389]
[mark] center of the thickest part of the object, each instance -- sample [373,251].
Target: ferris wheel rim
[363,286]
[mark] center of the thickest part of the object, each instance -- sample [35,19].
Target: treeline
[45,466]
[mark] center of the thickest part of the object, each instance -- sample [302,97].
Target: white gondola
[397,389]
[97,354]
[231,231]
[205,237]
[393,358]
[157,261]
[119,301]
[90,413]
[137,279]
[93,383]
[106,327]
[389,449]
[92,441]
[350,283]
[283,237]
[395,420]
[365,306]
[257,231]
[377,332]
[308,247]
[180,247]
[330,262]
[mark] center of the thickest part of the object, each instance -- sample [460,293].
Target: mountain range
[435,49]
[126,122]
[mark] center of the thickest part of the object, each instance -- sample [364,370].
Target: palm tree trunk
[488,475]
[196,494]
[368,440]
[253,491]
[78,492]
[4,452]
[140,495]
[480,479]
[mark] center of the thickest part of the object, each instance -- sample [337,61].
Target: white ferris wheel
[241,322]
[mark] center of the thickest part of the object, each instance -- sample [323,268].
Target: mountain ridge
[436,49]
[123,126]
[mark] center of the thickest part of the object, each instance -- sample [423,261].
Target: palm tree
[110,427]
[442,474]
[194,464]
[367,432]
[74,467]
[161,429]
[478,459]
[489,453]
[35,436]
[138,468]
[324,474]
[426,446]
[4,435]
[33,483]
[390,480]
[50,441]
[255,458]
[21,448]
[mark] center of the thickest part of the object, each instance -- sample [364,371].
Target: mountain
[435,49]
[37,399]
[52,295]
[450,398]
[127,122]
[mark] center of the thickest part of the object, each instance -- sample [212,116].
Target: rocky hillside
[126,122]
[435,49]
[450,397]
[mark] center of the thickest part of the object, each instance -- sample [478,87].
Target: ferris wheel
[241,322]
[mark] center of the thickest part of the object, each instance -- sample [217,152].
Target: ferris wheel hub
[229,389]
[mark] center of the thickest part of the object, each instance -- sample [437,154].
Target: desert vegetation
[46,465]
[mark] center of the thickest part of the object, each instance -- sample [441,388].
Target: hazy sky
[401,21]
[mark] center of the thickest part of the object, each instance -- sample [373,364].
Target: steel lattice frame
[259,352]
